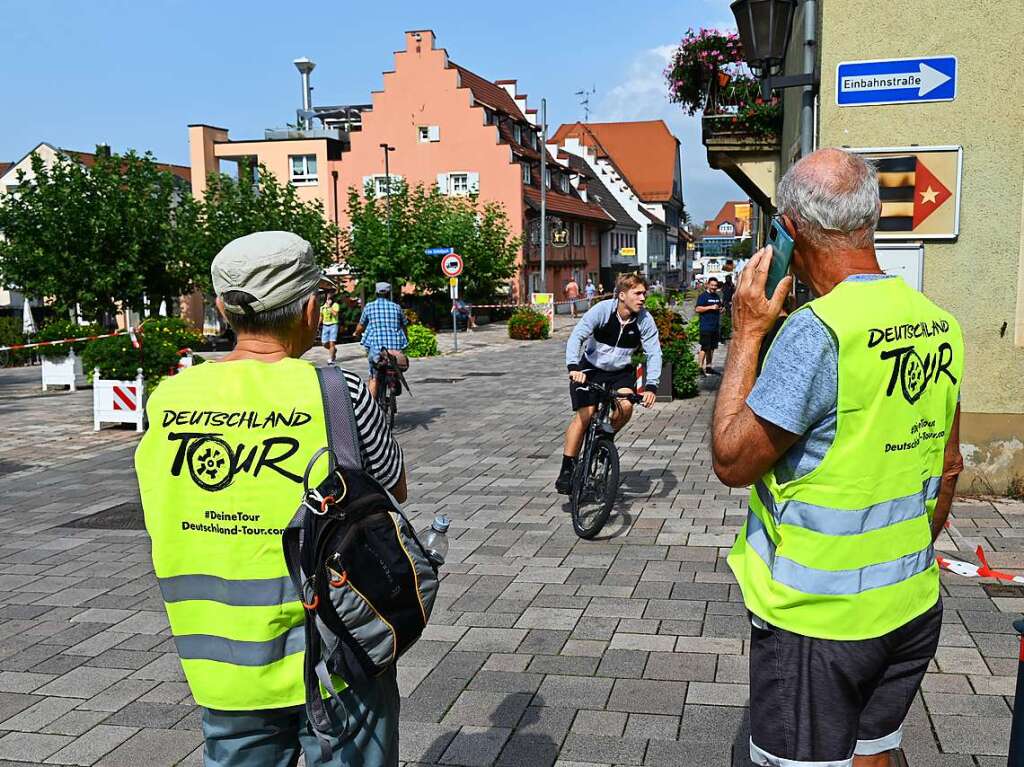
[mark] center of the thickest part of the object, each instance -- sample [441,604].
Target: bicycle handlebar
[609,394]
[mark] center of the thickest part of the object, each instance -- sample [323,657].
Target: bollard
[1016,758]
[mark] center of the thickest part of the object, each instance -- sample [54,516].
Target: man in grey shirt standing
[850,438]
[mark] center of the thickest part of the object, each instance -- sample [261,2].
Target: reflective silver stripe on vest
[810,580]
[829,521]
[256,592]
[238,652]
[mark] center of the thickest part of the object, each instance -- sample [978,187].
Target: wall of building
[421,91]
[976,277]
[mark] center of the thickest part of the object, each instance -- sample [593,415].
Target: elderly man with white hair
[850,437]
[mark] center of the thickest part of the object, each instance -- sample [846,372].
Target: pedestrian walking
[850,436]
[709,308]
[590,291]
[329,325]
[728,291]
[572,292]
[221,473]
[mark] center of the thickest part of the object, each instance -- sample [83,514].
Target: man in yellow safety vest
[220,472]
[850,437]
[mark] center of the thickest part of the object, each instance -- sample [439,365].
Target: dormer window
[517,133]
[563,183]
[726,228]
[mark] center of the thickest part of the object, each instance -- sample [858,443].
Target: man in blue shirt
[381,326]
[709,307]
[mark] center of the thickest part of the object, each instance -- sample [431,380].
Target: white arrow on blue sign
[438,251]
[896,81]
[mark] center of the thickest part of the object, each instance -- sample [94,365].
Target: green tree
[99,237]
[232,208]
[386,239]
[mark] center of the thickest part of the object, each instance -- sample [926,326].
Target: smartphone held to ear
[782,255]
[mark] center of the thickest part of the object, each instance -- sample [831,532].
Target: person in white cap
[381,326]
[220,473]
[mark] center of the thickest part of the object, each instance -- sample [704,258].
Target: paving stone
[424,742]
[23,681]
[623,663]
[153,748]
[36,717]
[83,682]
[642,696]
[93,745]
[973,734]
[480,708]
[690,752]
[653,726]
[161,715]
[604,749]
[492,639]
[476,746]
[573,692]
[548,618]
[590,722]
[32,747]
[503,681]
[76,722]
[680,667]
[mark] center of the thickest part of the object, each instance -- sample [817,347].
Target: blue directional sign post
[438,251]
[896,81]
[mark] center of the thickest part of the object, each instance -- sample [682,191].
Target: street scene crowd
[567,481]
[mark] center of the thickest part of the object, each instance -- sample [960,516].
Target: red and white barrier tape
[556,303]
[14,347]
[968,570]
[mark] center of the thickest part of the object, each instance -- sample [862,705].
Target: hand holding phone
[782,255]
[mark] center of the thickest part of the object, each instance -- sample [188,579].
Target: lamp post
[387,181]
[765,27]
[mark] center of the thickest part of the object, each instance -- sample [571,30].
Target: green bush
[422,341]
[117,359]
[528,325]
[10,334]
[684,367]
[59,329]
[176,331]
[655,301]
[726,326]
[693,329]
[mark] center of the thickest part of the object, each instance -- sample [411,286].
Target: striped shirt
[382,455]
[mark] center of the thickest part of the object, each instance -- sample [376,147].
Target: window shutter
[473,180]
[442,183]
[434,132]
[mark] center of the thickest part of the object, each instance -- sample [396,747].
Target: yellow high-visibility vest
[220,473]
[845,551]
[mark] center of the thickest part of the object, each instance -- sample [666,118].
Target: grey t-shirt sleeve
[799,382]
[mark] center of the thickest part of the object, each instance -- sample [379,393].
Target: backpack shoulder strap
[339,414]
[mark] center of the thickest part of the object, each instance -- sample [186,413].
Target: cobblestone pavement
[543,649]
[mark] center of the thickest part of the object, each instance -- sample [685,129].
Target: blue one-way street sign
[896,81]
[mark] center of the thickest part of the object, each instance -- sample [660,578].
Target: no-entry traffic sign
[451,265]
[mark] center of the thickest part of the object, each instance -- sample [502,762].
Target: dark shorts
[708,340]
[580,394]
[820,701]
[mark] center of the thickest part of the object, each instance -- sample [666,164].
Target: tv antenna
[585,101]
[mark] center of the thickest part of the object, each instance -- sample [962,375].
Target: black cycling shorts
[820,701]
[580,394]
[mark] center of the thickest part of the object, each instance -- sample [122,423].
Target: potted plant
[62,365]
[121,375]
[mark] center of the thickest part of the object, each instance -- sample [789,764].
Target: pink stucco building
[447,126]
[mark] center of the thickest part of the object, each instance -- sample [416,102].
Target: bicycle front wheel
[594,489]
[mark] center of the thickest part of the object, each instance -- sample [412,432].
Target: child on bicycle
[612,331]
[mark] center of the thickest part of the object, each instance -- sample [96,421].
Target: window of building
[726,228]
[563,183]
[527,176]
[577,232]
[547,178]
[380,184]
[426,134]
[517,133]
[303,167]
[488,116]
[458,183]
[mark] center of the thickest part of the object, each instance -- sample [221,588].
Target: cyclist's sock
[567,462]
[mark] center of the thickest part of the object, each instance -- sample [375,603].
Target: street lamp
[764,27]
[305,67]
[387,186]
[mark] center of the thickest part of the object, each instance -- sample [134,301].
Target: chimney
[305,67]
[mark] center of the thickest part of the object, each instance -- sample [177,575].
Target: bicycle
[390,382]
[595,480]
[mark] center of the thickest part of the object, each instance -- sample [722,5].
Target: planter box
[64,372]
[118,401]
[665,385]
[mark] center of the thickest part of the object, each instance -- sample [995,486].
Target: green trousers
[276,737]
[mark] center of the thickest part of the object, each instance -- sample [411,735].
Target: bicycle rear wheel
[594,488]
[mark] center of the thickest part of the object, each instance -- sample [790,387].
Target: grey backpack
[366,582]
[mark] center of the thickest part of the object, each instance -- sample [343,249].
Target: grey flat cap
[275,268]
[383,287]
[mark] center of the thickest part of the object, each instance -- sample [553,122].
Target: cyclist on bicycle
[612,331]
[381,326]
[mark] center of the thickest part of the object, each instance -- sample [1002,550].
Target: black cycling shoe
[563,483]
